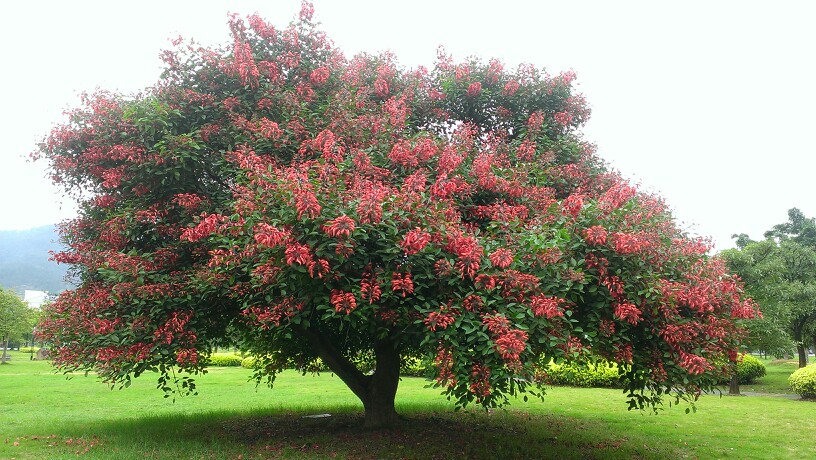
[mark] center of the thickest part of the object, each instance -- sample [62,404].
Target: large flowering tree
[309,205]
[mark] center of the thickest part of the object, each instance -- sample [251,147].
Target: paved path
[774,395]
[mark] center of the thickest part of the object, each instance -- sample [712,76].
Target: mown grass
[44,416]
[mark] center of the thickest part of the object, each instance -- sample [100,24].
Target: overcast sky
[709,104]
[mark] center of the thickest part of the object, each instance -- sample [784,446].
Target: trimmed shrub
[29,349]
[224,360]
[803,382]
[598,374]
[749,369]
[248,362]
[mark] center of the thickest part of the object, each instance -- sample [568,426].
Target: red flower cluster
[627,243]
[595,235]
[474,89]
[343,302]
[548,306]
[402,282]
[341,227]
[297,253]
[439,319]
[205,228]
[628,312]
[414,241]
[511,344]
[269,236]
[573,204]
[369,287]
[694,364]
[501,258]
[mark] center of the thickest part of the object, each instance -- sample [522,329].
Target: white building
[35,299]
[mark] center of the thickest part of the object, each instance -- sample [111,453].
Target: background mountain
[24,260]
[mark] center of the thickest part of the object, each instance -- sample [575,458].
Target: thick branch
[331,356]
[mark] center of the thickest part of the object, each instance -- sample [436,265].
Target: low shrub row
[410,367]
[585,374]
[224,360]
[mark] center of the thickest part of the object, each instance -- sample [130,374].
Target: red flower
[694,364]
[501,258]
[563,118]
[297,253]
[343,302]
[414,241]
[628,312]
[511,344]
[474,89]
[573,204]
[269,236]
[439,320]
[543,305]
[510,88]
[626,243]
[340,227]
[595,235]
[319,268]
[319,75]
[306,204]
[402,282]
[496,324]
[369,287]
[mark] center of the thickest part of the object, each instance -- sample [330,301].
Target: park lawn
[42,415]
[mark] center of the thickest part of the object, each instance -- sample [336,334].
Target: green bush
[585,374]
[29,349]
[803,382]
[413,366]
[248,362]
[224,360]
[749,369]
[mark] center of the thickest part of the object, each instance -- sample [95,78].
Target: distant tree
[316,206]
[798,228]
[15,319]
[780,274]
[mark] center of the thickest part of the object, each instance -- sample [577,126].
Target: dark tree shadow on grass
[424,434]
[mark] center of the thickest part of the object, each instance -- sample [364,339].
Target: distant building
[35,299]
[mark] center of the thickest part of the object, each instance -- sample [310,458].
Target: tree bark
[802,351]
[377,391]
[800,343]
[5,347]
[733,386]
[382,388]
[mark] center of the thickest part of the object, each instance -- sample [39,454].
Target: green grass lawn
[43,415]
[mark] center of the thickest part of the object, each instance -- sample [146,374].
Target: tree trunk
[382,388]
[803,357]
[5,347]
[813,339]
[800,342]
[733,387]
[376,391]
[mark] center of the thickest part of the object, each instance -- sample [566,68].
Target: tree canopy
[306,205]
[15,319]
[780,274]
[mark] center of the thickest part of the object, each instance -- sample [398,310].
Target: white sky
[710,104]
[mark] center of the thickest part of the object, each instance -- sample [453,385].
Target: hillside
[24,260]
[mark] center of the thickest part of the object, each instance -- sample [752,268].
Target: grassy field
[43,415]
